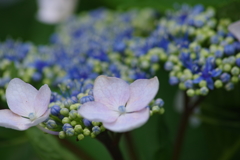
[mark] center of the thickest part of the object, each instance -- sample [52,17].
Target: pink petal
[142,91]
[234,28]
[20,97]
[128,121]
[111,92]
[98,112]
[11,120]
[42,100]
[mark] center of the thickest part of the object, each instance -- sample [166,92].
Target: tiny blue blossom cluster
[190,43]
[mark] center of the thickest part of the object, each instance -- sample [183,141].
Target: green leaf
[47,146]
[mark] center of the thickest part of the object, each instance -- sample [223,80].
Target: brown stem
[76,150]
[112,144]
[188,109]
[130,146]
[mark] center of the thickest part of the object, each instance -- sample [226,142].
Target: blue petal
[216,72]
[210,83]
[197,80]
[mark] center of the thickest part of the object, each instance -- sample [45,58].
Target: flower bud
[80,136]
[78,128]
[70,132]
[190,92]
[65,120]
[62,135]
[86,132]
[64,111]
[218,84]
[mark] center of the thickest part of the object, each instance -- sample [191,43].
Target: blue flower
[173,80]
[189,63]
[208,73]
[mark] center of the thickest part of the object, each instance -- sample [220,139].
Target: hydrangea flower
[55,11]
[234,29]
[119,106]
[28,106]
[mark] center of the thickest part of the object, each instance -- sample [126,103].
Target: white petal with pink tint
[234,28]
[98,112]
[41,119]
[111,92]
[142,91]
[119,106]
[55,11]
[20,97]
[11,120]
[42,100]
[129,121]
[29,107]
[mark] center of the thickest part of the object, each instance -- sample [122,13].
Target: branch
[74,149]
[130,146]
[188,109]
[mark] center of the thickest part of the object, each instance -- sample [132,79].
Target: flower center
[122,109]
[32,116]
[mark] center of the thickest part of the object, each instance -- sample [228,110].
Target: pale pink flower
[55,11]
[234,28]
[28,106]
[119,106]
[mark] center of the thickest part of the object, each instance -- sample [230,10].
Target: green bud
[95,123]
[151,113]
[172,73]
[61,135]
[145,64]
[161,110]
[155,66]
[190,92]
[64,111]
[218,61]
[229,39]
[93,135]
[173,58]
[193,55]
[65,120]
[182,86]
[203,83]
[102,128]
[74,106]
[80,95]
[227,67]
[163,57]
[80,137]
[234,79]
[78,128]
[73,123]
[195,76]
[176,68]
[218,84]
[155,109]
[179,74]
[86,132]
[73,114]
[238,55]
[235,71]
[204,91]
[70,132]
[197,92]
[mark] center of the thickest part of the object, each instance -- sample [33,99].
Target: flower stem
[75,149]
[112,144]
[188,109]
[47,131]
[130,146]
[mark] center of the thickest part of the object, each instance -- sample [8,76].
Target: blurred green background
[217,137]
